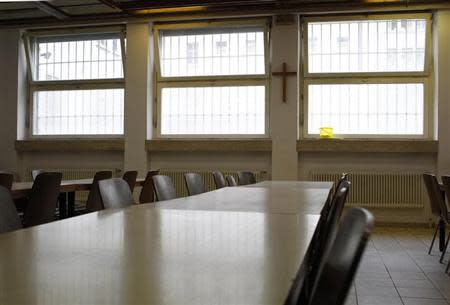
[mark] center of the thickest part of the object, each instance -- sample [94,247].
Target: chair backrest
[130,177]
[164,188]
[115,193]
[231,181]
[43,199]
[219,180]
[9,219]
[344,177]
[334,215]
[194,183]
[94,200]
[435,195]
[340,263]
[148,190]
[6,180]
[446,182]
[245,178]
[36,172]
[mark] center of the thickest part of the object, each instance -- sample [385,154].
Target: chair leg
[445,249]
[434,237]
[448,267]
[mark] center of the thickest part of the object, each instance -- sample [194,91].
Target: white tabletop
[146,255]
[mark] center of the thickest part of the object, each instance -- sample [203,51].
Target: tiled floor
[396,270]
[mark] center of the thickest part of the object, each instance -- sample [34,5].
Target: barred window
[212,81]
[77,84]
[367,76]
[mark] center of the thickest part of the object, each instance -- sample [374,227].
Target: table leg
[441,235]
[71,203]
[62,200]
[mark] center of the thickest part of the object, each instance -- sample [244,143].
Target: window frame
[161,82]
[30,43]
[424,77]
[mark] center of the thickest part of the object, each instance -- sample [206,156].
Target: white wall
[283,162]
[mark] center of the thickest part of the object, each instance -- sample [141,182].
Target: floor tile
[421,301]
[428,293]
[413,284]
[407,275]
[379,300]
[371,290]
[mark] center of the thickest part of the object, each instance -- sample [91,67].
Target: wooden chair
[340,263]
[9,218]
[231,181]
[94,201]
[36,172]
[115,193]
[245,178]
[194,183]
[130,177]
[6,180]
[435,195]
[164,188]
[43,200]
[148,190]
[219,180]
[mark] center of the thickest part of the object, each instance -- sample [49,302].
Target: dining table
[235,245]
[68,188]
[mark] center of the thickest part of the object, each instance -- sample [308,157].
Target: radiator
[380,189]
[75,174]
[177,176]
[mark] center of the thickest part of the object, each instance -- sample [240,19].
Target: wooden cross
[284,74]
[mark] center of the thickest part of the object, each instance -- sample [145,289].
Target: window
[77,83]
[367,76]
[212,80]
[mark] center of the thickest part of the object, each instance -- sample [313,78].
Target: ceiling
[57,12]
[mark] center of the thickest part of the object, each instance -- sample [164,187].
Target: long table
[23,189]
[66,199]
[247,253]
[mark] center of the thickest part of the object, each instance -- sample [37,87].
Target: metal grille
[185,53]
[177,176]
[366,46]
[78,112]
[80,59]
[391,109]
[380,189]
[213,110]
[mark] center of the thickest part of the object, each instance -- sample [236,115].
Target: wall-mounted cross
[284,74]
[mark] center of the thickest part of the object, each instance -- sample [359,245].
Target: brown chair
[43,200]
[6,180]
[194,184]
[219,180]
[164,188]
[115,193]
[148,190]
[341,260]
[436,197]
[94,201]
[9,219]
[245,178]
[130,177]
[36,172]
[231,181]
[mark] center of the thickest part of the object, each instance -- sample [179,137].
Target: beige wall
[283,162]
